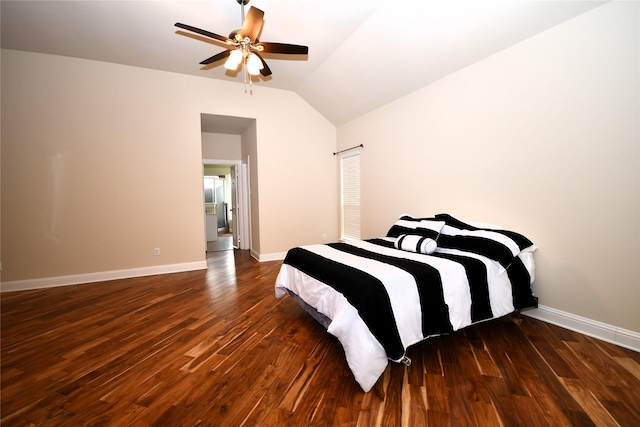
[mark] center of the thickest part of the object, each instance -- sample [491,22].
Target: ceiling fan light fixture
[235,58]
[243,45]
[254,64]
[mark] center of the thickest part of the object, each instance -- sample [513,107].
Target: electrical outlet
[324,236]
[156,251]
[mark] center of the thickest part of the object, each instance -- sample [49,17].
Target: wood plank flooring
[223,243]
[216,348]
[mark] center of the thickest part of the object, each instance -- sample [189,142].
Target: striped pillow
[499,245]
[414,243]
[416,226]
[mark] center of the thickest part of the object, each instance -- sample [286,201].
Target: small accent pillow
[415,243]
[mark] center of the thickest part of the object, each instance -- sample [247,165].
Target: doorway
[217,200]
[228,137]
[226,205]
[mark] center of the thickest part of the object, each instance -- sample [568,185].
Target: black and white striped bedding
[380,299]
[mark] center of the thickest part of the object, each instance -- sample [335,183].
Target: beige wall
[542,138]
[101,163]
[220,146]
[307,165]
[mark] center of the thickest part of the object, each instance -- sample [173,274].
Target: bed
[427,277]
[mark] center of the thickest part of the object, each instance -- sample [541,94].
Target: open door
[235,223]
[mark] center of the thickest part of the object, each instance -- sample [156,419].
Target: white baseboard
[612,334]
[77,279]
[278,256]
[605,332]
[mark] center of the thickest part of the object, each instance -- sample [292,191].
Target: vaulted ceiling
[362,53]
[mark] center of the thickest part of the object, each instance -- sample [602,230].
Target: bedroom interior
[535,126]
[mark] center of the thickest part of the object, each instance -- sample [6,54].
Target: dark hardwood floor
[216,348]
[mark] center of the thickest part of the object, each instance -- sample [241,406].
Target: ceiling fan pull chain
[247,77]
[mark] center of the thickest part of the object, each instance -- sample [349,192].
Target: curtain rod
[347,149]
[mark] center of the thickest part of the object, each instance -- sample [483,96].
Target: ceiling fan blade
[215,58]
[266,71]
[203,32]
[252,24]
[284,48]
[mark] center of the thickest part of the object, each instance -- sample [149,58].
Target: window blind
[350,195]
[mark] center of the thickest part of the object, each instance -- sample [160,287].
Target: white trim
[277,256]
[77,279]
[605,332]
[609,333]
[221,162]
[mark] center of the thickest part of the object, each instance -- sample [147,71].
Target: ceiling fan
[244,47]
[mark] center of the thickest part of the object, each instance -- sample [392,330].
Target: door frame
[242,223]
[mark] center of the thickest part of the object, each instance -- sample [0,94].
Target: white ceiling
[362,53]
